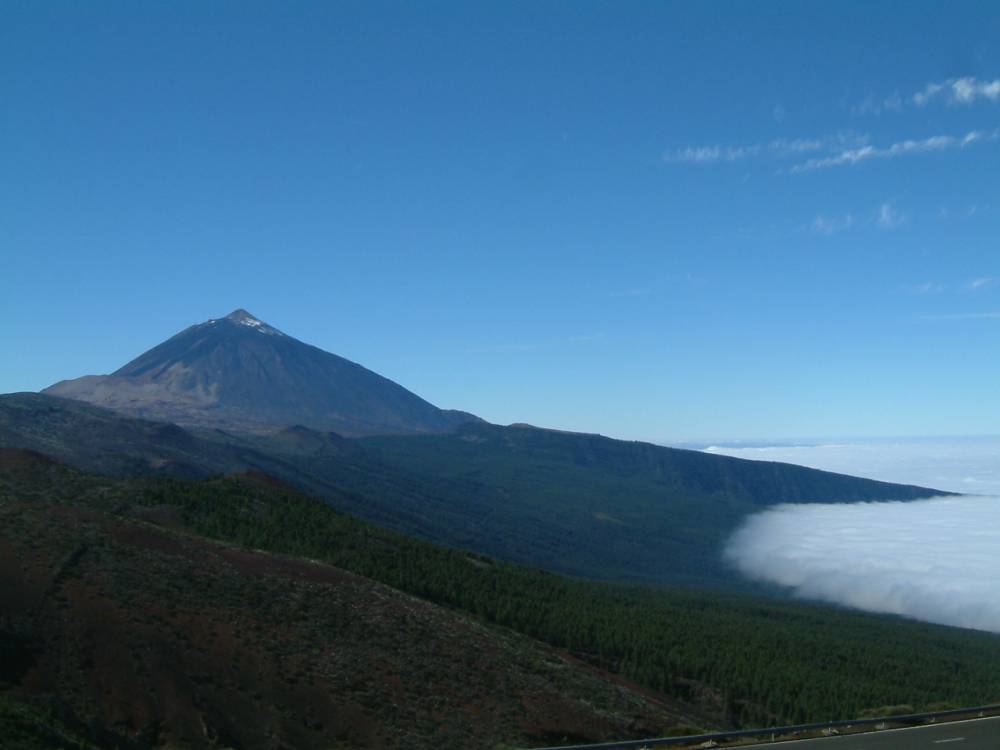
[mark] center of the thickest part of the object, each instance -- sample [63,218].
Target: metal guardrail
[694,739]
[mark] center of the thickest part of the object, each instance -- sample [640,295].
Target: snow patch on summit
[261,327]
[243,318]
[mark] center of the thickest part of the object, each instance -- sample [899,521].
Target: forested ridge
[120,631]
[583,505]
[762,661]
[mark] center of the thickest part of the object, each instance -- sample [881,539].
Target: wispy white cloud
[946,213]
[965,90]
[885,217]
[889,218]
[873,106]
[832,224]
[712,154]
[793,146]
[779,147]
[984,281]
[853,156]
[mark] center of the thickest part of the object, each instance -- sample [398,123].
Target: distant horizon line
[817,442]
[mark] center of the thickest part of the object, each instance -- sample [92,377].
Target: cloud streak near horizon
[967,465]
[933,560]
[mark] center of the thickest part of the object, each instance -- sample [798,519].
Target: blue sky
[653,220]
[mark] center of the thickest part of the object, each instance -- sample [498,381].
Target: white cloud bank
[934,560]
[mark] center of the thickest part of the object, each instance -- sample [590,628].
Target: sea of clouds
[936,560]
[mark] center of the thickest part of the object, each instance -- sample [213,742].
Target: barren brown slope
[160,638]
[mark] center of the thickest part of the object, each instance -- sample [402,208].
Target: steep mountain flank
[239,373]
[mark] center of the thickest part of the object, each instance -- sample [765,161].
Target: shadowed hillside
[580,504]
[139,636]
[226,620]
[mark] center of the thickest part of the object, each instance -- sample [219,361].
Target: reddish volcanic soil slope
[160,638]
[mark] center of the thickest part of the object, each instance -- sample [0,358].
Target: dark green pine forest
[760,661]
